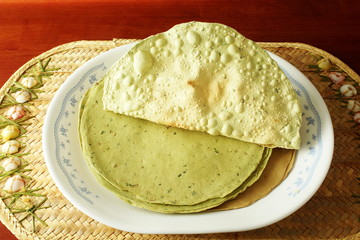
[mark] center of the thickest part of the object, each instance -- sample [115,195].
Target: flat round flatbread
[169,208]
[159,167]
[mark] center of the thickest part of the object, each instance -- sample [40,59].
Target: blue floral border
[312,139]
[60,128]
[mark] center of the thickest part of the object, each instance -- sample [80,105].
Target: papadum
[206,77]
[164,168]
[192,119]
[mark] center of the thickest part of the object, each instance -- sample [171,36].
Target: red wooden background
[30,27]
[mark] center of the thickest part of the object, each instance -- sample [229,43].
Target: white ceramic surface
[73,178]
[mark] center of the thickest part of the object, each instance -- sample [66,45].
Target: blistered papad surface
[209,78]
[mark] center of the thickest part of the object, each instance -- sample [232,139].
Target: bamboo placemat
[331,214]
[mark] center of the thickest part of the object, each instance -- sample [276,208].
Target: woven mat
[330,214]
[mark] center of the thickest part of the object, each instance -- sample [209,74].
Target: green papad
[162,168]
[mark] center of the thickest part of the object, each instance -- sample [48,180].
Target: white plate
[68,168]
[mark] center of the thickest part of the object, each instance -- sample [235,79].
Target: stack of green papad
[162,168]
[187,120]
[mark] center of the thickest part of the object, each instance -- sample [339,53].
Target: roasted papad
[206,77]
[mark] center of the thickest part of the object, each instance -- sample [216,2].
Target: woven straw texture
[330,214]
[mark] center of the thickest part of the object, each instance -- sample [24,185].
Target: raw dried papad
[209,78]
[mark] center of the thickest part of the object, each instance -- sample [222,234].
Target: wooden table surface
[30,27]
